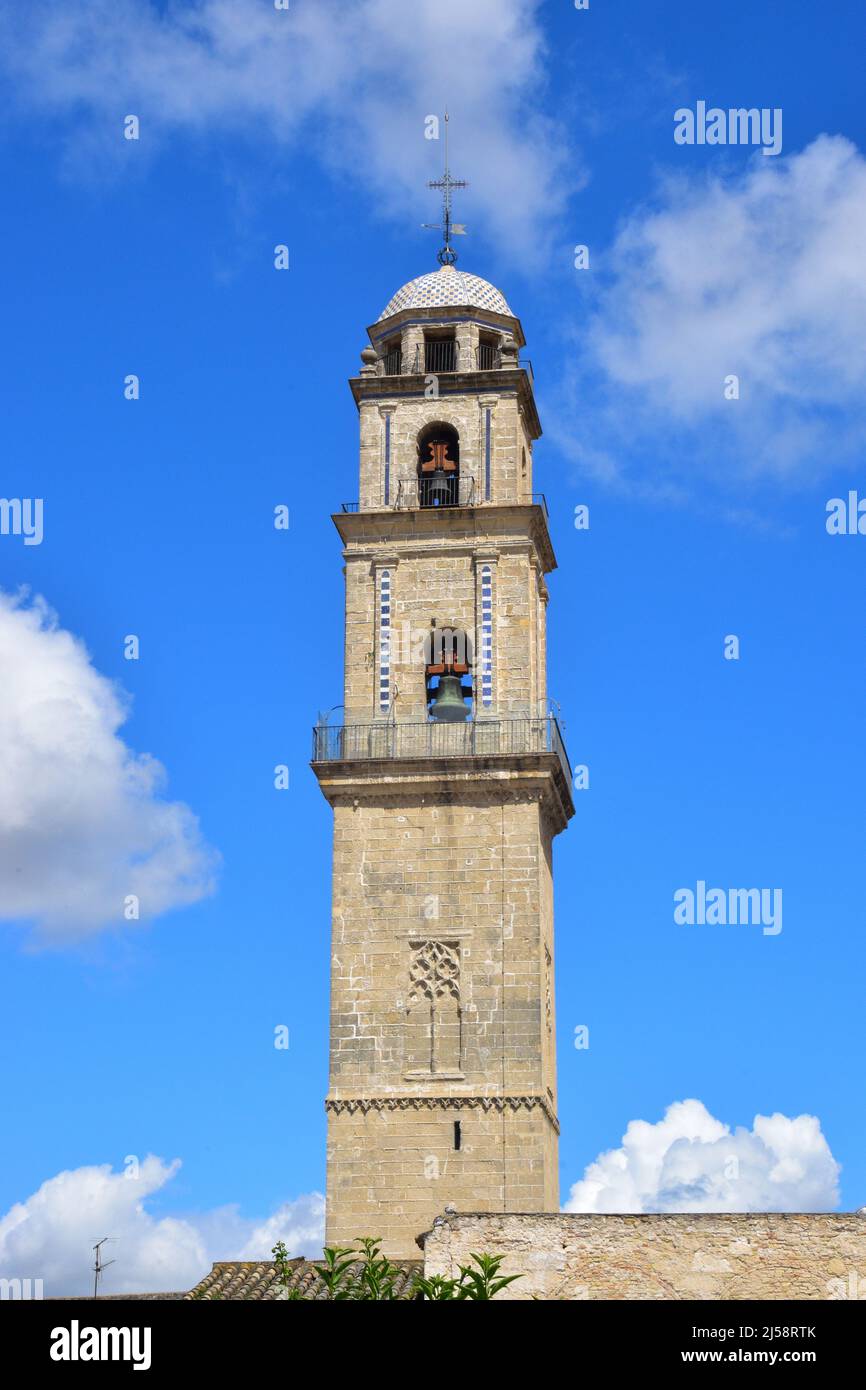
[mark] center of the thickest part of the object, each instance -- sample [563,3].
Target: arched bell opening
[447,659]
[438,466]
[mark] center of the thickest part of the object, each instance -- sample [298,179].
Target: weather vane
[447,256]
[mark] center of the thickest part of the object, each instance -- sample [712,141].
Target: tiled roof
[257,1280]
[116,1298]
[447,288]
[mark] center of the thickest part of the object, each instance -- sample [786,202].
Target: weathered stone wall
[718,1256]
[422,1039]
[470,872]
[440,581]
[510,453]
[390,1171]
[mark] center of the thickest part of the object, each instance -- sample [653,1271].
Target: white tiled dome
[447,287]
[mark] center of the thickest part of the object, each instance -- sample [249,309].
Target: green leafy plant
[479,1283]
[284,1271]
[361,1273]
[378,1277]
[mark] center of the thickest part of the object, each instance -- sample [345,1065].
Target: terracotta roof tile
[257,1280]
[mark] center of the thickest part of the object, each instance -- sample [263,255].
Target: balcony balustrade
[476,738]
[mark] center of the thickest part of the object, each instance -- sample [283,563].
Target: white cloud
[690,1161]
[82,824]
[300,1224]
[354,82]
[760,274]
[50,1236]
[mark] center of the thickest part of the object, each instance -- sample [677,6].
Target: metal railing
[477,738]
[443,355]
[488,358]
[461,492]
[448,491]
[439,355]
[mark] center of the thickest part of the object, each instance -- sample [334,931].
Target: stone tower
[448,780]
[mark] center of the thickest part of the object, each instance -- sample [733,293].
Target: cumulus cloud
[758,274]
[690,1161]
[356,81]
[301,1224]
[82,823]
[50,1236]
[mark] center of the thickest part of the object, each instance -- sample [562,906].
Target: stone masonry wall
[441,584]
[511,446]
[706,1256]
[467,874]
[440,970]
[391,1171]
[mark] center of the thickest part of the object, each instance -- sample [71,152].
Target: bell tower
[448,780]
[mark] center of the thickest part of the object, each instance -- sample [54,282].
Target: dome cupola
[447,288]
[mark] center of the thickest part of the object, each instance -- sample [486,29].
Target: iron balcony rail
[439,355]
[443,355]
[477,738]
[487,357]
[448,491]
[462,492]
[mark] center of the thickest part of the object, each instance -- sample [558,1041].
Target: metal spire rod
[447,255]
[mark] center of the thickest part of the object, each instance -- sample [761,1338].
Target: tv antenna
[99,1264]
[447,255]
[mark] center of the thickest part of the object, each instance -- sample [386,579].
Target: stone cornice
[492,779]
[409,530]
[364,1104]
[499,381]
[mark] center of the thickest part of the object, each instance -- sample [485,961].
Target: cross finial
[447,255]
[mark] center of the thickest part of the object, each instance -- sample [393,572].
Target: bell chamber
[448,657]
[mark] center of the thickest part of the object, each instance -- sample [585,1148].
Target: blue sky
[155,257]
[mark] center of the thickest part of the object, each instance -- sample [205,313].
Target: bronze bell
[448,705]
[440,489]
